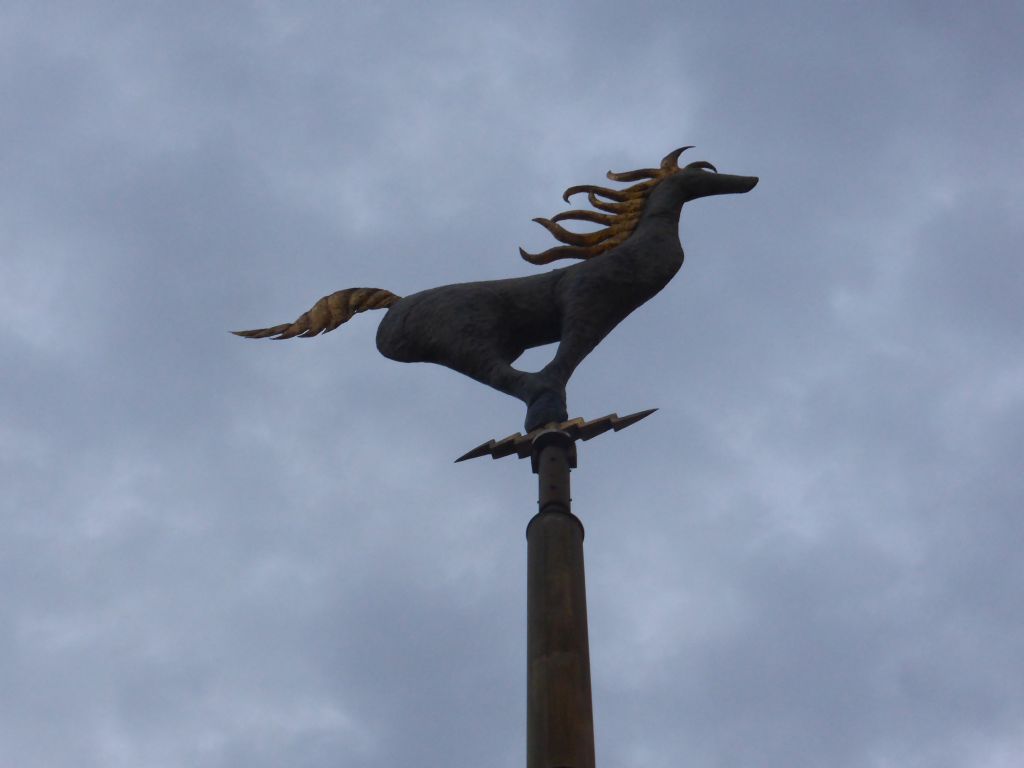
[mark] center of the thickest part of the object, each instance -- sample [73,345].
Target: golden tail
[327,314]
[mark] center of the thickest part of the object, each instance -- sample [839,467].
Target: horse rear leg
[545,399]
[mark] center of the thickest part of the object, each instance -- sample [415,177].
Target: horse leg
[545,399]
[500,375]
[549,404]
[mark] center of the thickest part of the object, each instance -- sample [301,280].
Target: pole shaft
[559,713]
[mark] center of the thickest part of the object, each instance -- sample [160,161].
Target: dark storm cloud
[220,553]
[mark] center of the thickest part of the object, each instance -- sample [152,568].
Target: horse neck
[661,212]
[655,241]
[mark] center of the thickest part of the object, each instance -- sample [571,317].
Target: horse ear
[671,160]
[703,164]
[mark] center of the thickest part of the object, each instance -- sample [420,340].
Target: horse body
[459,322]
[479,329]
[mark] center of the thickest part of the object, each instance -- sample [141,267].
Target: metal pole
[559,713]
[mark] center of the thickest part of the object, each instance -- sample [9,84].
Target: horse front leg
[549,404]
[547,401]
[544,397]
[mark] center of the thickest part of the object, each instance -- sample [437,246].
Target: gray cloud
[221,553]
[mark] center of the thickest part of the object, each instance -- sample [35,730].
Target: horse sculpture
[479,329]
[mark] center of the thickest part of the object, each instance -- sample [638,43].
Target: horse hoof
[546,408]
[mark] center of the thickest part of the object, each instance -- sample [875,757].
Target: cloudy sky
[218,552]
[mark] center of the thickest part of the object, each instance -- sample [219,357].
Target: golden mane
[622,207]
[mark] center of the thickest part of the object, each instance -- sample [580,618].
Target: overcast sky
[218,552]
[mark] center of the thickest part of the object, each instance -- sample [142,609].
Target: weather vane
[479,329]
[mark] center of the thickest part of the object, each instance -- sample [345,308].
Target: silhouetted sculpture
[479,329]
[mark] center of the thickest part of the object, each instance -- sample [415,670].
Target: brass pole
[559,713]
